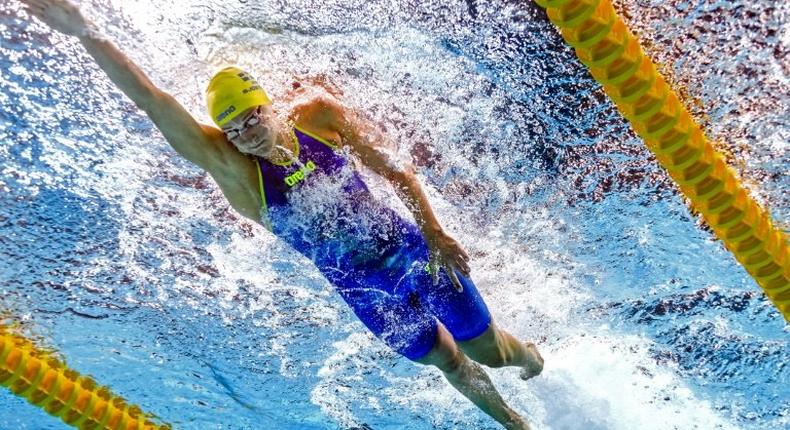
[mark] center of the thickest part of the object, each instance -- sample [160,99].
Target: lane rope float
[616,60]
[48,383]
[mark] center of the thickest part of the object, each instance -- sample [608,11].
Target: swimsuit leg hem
[469,336]
[420,349]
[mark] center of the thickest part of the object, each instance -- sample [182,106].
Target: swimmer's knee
[493,357]
[449,363]
[487,348]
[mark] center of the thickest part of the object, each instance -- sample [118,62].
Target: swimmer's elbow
[158,104]
[182,131]
[401,174]
[327,103]
[145,95]
[146,102]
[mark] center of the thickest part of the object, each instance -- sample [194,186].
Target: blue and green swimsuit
[320,206]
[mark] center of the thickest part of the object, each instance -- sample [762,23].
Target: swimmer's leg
[498,348]
[470,379]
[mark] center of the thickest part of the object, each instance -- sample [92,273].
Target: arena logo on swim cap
[226,112]
[300,174]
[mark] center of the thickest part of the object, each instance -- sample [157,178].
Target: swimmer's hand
[447,253]
[62,15]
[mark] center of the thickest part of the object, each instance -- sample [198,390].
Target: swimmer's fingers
[433,267]
[457,257]
[36,7]
[61,15]
[453,277]
[33,7]
[462,263]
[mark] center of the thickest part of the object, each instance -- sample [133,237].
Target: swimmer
[408,282]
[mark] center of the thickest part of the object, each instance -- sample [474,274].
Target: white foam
[594,376]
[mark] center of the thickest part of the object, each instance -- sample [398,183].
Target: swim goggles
[253,119]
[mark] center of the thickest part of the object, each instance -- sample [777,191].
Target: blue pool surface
[127,260]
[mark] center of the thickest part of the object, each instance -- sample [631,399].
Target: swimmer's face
[254,131]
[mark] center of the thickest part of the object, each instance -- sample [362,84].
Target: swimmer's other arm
[365,140]
[201,144]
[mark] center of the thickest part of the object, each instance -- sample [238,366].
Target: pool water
[128,262]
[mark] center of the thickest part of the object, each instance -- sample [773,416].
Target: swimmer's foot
[535,364]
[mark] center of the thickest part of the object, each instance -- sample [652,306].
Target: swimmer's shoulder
[320,115]
[235,173]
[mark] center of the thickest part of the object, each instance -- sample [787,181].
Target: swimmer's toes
[535,365]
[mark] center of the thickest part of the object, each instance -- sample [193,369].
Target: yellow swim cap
[232,91]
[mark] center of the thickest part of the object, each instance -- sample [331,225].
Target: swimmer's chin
[263,151]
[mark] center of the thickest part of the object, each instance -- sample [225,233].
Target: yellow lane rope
[616,60]
[47,383]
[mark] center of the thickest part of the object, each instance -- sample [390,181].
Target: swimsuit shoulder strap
[316,137]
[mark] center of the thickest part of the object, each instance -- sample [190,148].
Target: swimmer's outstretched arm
[365,140]
[188,137]
[201,144]
[180,129]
